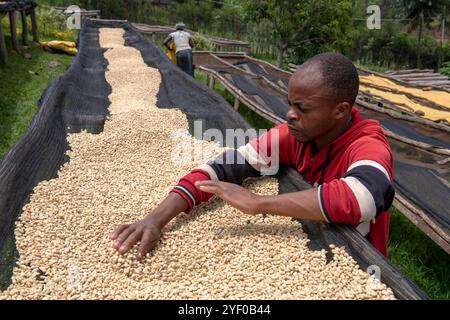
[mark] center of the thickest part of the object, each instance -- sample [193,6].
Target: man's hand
[127,235]
[236,196]
[147,230]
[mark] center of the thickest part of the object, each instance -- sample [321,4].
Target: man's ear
[342,110]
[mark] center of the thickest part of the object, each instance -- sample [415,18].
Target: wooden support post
[23,15]
[13,27]
[154,37]
[34,26]
[3,52]
[237,103]
[207,78]
[212,82]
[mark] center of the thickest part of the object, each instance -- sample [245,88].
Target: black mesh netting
[11,5]
[8,6]
[78,100]
[252,87]
[260,71]
[406,130]
[434,198]
[247,86]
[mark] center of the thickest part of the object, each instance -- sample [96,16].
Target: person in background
[183,44]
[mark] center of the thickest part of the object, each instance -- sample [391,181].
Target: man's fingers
[148,242]
[130,241]
[210,189]
[118,230]
[209,186]
[123,236]
[207,183]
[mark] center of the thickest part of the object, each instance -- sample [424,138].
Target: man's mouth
[292,129]
[298,134]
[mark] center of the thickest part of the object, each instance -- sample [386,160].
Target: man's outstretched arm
[147,230]
[233,166]
[303,204]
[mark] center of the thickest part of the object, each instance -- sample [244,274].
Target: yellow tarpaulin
[399,99]
[68,47]
[171,52]
[439,97]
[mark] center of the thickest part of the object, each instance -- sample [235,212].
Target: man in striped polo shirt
[344,156]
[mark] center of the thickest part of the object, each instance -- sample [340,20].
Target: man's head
[180,26]
[321,94]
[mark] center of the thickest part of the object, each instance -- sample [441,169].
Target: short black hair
[339,75]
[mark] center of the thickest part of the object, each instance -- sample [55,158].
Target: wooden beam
[269,115]
[410,71]
[237,103]
[444,161]
[34,26]
[13,28]
[24,28]
[3,52]
[421,145]
[423,222]
[212,82]
[431,76]
[418,75]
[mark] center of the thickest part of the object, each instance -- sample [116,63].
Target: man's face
[311,112]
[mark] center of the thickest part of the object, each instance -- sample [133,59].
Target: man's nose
[291,115]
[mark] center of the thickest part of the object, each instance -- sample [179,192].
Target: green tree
[229,19]
[195,14]
[300,23]
[422,13]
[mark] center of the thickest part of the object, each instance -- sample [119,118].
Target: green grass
[419,257]
[409,248]
[22,82]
